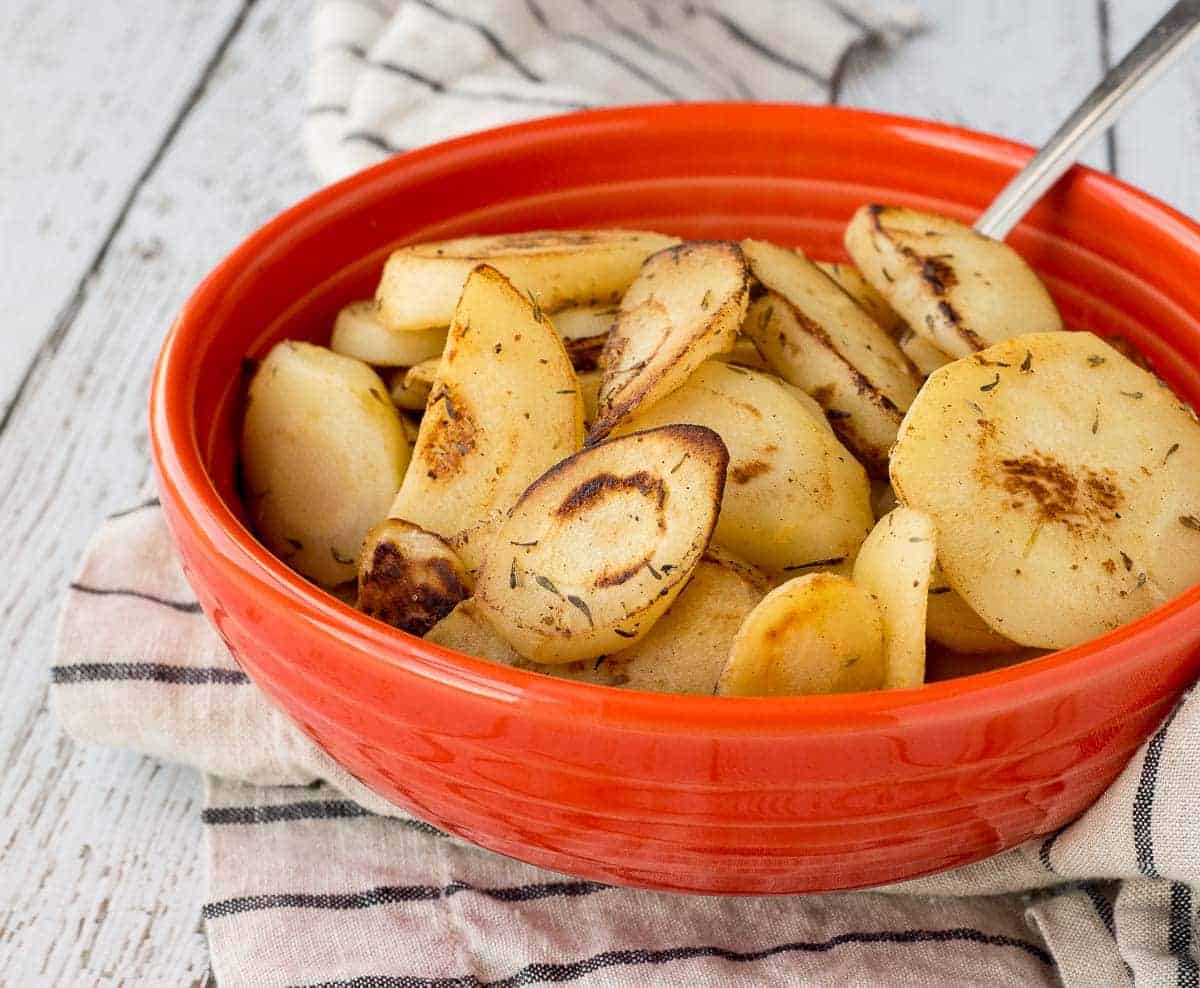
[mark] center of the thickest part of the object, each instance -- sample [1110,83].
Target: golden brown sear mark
[451,437]
[410,595]
[1086,499]
[595,488]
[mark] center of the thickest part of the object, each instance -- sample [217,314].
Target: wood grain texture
[90,91]
[101,877]
[101,873]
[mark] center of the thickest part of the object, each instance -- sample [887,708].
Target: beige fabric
[313,879]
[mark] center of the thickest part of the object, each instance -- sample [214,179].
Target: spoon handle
[1147,60]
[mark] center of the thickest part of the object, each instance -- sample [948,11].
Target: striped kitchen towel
[390,75]
[314,880]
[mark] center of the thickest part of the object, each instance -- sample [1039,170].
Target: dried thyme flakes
[1095,360]
[1027,363]
[579,603]
[537,309]
[653,572]
[707,300]
[1135,395]
[624,634]
[380,398]
[512,575]
[523,545]
[992,385]
[1190,521]
[682,459]
[1126,561]
[546,584]
[1171,452]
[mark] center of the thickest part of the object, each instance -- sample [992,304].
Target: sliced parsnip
[924,356]
[793,494]
[960,290]
[817,337]
[408,577]
[359,333]
[410,394]
[894,567]
[584,331]
[858,288]
[466,630]
[421,283]
[744,354]
[950,622]
[815,634]
[685,306]
[683,653]
[323,452]
[1062,479]
[600,545]
[505,406]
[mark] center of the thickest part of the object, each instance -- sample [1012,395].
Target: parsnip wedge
[1063,482]
[421,283]
[359,333]
[323,452]
[505,406]
[817,337]
[815,634]
[600,545]
[958,289]
[408,577]
[894,567]
[793,494]
[685,306]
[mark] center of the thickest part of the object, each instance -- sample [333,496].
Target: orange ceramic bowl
[694,794]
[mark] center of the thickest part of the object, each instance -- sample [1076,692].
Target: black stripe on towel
[1046,848]
[327,809]
[385,895]
[737,32]
[488,35]
[542,973]
[96,672]
[1179,935]
[366,137]
[1143,801]
[1102,906]
[185,606]
[436,86]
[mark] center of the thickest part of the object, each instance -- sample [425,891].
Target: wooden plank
[100,857]
[90,89]
[1158,139]
[1010,67]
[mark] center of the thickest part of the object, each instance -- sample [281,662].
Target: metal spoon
[1162,45]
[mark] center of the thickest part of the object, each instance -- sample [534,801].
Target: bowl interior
[1116,262]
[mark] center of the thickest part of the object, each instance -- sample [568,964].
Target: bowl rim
[187,489]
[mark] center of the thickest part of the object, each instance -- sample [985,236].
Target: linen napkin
[314,880]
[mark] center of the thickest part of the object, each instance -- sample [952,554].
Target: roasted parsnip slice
[1062,480]
[858,288]
[421,283]
[505,406]
[685,306]
[950,622]
[794,496]
[894,567]
[923,355]
[359,333]
[466,630]
[323,452]
[600,545]
[815,634]
[958,289]
[408,577]
[744,354]
[817,337]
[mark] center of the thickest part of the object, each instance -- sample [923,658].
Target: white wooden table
[141,141]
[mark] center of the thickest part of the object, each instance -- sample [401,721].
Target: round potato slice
[408,577]
[600,545]
[794,496]
[323,452]
[1063,483]
[894,566]
[958,289]
[685,306]
[359,333]
[818,633]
